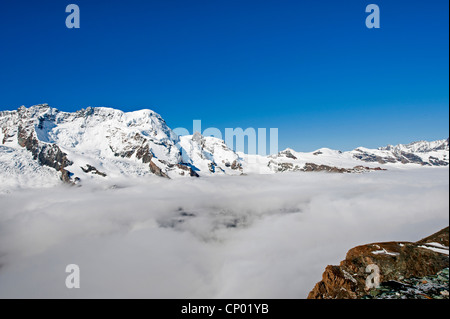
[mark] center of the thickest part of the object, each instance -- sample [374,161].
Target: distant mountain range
[41,144]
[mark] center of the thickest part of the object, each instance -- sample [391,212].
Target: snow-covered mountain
[424,153]
[95,141]
[104,142]
[209,155]
[41,145]
[421,153]
[358,160]
[419,147]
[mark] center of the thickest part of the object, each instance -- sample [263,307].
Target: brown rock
[235,165]
[156,170]
[396,260]
[145,154]
[93,170]
[46,154]
[188,169]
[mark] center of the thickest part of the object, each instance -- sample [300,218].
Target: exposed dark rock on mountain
[93,170]
[317,153]
[288,154]
[156,170]
[397,261]
[280,167]
[367,157]
[236,165]
[188,169]
[311,167]
[47,154]
[143,153]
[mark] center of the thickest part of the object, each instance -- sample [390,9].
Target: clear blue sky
[310,68]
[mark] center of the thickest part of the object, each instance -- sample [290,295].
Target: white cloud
[267,236]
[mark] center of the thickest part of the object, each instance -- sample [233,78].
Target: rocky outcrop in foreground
[401,266]
[427,287]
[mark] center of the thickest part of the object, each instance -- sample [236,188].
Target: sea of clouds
[266,236]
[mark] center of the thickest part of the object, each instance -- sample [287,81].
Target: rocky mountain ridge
[397,263]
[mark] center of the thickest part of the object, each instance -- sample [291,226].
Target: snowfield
[255,236]
[18,170]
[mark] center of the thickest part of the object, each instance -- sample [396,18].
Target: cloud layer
[267,236]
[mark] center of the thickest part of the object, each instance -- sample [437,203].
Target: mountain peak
[197,137]
[418,146]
